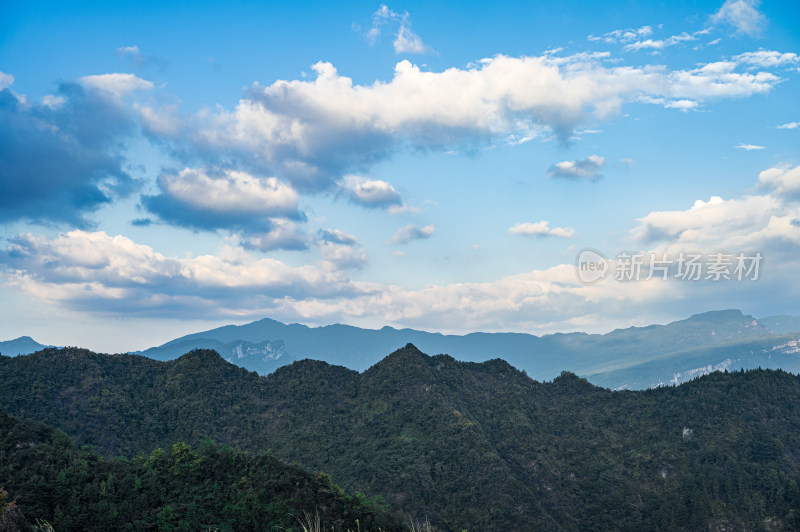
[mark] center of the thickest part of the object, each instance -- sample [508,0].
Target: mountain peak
[200,356]
[718,315]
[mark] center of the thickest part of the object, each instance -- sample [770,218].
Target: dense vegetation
[212,488]
[469,445]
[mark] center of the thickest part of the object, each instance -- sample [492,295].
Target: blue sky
[167,167]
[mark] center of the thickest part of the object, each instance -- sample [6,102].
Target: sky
[168,167]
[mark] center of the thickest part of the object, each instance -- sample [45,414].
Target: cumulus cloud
[340,249]
[406,41]
[743,15]
[62,159]
[335,236]
[224,199]
[758,222]
[372,193]
[117,84]
[113,274]
[750,147]
[783,180]
[789,125]
[588,168]
[314,132]
[282,234]
[541,228]
[406,234]
[106,275]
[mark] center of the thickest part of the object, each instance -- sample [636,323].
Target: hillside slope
[211,488]
[471,445]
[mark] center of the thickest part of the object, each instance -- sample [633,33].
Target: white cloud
[541,228]
[790,125]
[230,191]
[406,234]
[116,275]
[53,102]
[164,121]
[767,59]
[660,44]
[751,224]
[588,168]
[769,221]
[742,15]
[750,147]
[783,180]
[623,36]
[370,192]
[118,85]
[6,80]
[99,274]
[283,234]
[337,236]
[683,105]
[315,131]
[406,41]
[262,208]
[340,249]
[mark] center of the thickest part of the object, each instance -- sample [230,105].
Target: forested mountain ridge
[633,358]
[471,445]
[44,477]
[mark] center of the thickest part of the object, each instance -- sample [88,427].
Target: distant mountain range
[632,358]
[467,445]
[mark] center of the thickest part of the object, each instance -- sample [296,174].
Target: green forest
[475,446]
[175,489]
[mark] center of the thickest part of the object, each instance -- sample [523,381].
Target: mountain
[772,352]
[782,324]
[476,446]
[609,359]
[262,357]
[23,345]
[44,477]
